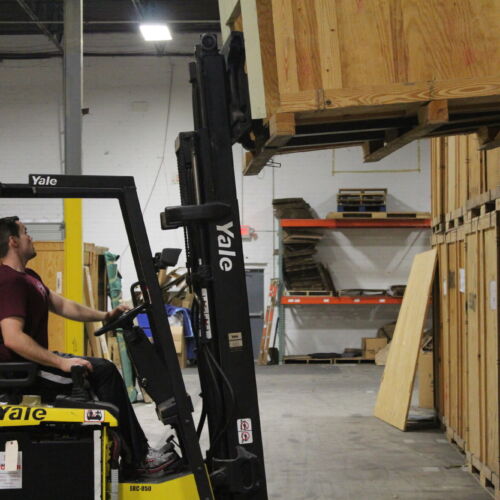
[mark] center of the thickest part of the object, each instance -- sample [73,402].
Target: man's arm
[72,310]
[15,339]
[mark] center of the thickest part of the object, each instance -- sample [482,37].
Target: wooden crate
[463,176]
[332,73]
[370,346]
[469,336]
[49,264]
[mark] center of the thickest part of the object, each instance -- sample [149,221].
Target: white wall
[130,131]
[357,258]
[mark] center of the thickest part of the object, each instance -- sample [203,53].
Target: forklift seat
[15,376]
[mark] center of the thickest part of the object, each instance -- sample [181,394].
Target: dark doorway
[255,288]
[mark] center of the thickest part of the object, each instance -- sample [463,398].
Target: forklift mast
[210,217]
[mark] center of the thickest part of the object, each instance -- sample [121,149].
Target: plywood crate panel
[49,264]
[469,336]
[335,61]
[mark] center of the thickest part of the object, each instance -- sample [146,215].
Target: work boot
[163,460]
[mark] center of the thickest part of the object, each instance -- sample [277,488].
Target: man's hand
[67,363]
[117,311]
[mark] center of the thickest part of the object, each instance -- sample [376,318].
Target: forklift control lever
[168,257]
[79,391]
[124,321]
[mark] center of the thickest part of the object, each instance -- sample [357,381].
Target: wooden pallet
[362,194]
[487,479]
[311,293]
[454,219]
[483,474]
[482,205]
[329,361]
[355,208]
[438,228]
[294,132]
[378,215]
[483,209]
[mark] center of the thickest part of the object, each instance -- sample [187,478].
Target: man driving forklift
[44,445]
[24,305]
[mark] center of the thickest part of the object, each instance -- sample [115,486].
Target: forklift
[69,449]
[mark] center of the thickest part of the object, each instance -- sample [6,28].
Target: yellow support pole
[73,272]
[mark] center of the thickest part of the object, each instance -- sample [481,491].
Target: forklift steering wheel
[123,321]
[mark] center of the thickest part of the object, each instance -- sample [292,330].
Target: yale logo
[40,180]
[225,239]
[22,413]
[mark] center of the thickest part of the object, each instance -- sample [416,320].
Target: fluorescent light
[155,32]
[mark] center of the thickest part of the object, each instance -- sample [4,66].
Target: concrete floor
[322,442]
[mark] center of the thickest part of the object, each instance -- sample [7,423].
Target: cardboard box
[180,345]
[371,346]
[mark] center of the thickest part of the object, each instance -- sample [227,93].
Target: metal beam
[140,12]
[73,244]
[73,45]
[40,25]
[178,21]
[138,7]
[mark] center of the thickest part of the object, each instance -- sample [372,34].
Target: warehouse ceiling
[34,28]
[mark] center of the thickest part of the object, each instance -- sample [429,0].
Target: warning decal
[95,415]
[245,433]
[11,480]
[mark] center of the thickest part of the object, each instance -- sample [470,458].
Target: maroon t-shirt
[24,295]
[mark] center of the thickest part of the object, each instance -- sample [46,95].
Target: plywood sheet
[393,400]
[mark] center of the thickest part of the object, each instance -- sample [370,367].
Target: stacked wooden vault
[466,216]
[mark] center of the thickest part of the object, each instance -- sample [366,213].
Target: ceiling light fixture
[155,32]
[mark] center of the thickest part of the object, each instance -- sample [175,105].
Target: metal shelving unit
[304,300]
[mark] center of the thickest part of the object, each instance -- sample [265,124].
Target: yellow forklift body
[181,488]
[22,415]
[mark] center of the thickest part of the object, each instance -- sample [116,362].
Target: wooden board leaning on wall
[396,388]
[469,337]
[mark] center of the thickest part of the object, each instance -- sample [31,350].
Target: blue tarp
[186,320]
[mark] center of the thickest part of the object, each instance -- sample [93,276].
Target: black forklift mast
[210,217]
